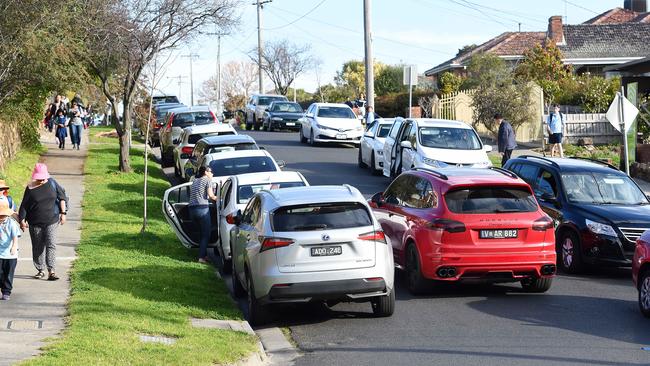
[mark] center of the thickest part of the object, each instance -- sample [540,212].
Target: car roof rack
[434,172]
[542,158]
[595,161]
[505,172]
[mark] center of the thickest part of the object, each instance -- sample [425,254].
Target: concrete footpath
[37,308]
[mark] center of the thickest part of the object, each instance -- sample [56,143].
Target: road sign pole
[623,131]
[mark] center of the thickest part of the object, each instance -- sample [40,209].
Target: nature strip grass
[125,284]
[18,171]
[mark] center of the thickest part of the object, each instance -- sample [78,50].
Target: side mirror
[309,115]
[377,199]
[406,144]
[281,163]
[547,197]
[369,135]
[487,148]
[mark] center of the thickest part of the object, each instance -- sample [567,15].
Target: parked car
[256,106]
[190,136]
[223,165]
[461,224]
[282,115]
[599,211]
[641,272]
[158,99]
[236,191]
[158,121]
[213,144]
[318,243]
[371,148]
[175,121]
[432,143]
[330,122]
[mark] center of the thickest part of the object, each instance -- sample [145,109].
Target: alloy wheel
[568,251]
[644,294]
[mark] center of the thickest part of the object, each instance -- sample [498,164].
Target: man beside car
[505,138]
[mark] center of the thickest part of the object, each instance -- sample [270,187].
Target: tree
[121,37]
[465,49]
[544,66]
[389,80]
[497,91]
[237,82]
[283,62]
[353,76]
[450,82]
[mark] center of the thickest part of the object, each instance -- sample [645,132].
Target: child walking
[61,128]
[9,233]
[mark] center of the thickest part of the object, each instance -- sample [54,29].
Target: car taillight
[215,117]
[230,219]
[543,224]
[451,226]
[374,236]
[187,149]
[272,243]
[169,123]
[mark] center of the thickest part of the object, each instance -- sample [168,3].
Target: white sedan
[371,148]
[190,136]
[330,122]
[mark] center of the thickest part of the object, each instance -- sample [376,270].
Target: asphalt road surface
[591,319]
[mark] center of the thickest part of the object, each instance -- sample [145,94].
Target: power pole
[219,75]
[260,77]
[367,36]
[180,83]
[191,56]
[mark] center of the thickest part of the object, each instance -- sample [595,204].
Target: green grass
[110,140]
[19,170]
[125,284]
[495,159]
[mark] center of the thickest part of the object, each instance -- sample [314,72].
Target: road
[590,319]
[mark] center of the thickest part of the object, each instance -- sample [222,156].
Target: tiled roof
[642,18]
[606,40]
[616,15]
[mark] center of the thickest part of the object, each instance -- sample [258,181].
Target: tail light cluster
[214,116]
[374,236]
[187,149]
[169,122]
[543,223]
[272,243]
[450,226]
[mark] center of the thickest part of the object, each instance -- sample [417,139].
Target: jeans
[75,134]
[506,156]
[7,269]
[201,216]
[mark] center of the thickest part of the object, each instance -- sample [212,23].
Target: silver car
[256,106]
[175,121]
[318,243]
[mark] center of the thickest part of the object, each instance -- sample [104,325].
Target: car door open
[176,211]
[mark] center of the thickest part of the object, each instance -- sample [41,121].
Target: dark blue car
[282,115]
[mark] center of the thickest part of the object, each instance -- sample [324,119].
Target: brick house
[614,37]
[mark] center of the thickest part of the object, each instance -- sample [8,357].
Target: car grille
[632,234]
[460,165]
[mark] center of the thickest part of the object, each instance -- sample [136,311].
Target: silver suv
[318,243]
[256,106]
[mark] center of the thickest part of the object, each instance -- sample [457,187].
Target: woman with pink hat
[43,208]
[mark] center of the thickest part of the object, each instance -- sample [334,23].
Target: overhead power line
[299,18]
[582,7]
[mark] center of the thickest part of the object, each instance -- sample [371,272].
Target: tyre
[536,285]
[302,137]
[417,284]
[237,289]
[569,255]
[360,159]
[644,293]
[383,306]
[270,127]
[373,164]
[258,314]
[226,266]
[311,138]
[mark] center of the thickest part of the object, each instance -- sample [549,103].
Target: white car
[330,122]
[432,143]
[371,148]
[190,136]
[235,193]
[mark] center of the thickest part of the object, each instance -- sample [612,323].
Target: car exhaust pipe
[548,269]
[446,272]
[451,272]
[442,272]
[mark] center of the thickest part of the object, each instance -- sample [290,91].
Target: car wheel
[536,285]
[417,284]
[311,138]
[226,266]
[302,137]
[373,165]
[644,293]
[269,127]
[383,306]
[569,254]
[360,159]
[237,289]
[258,314]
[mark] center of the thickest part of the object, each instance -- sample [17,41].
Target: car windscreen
[231,147]
[192,118]
[248,164]
[335,112]
[165,99]
[268,100]
[486,200]
[194,138]
[245,192]
[321,217]
[287,108]
[383,130]
[449,138]
[602,188]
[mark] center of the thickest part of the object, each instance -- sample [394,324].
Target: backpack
[57,205]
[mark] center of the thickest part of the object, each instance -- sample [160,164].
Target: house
[614,37]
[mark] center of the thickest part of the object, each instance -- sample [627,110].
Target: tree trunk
[125,138]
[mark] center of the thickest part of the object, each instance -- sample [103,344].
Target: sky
[420,32]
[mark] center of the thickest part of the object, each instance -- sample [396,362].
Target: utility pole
[260,77]
[180,83]
[219,75]
[367,36]
[191,56]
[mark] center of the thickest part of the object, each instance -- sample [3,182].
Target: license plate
[341,136]
[290,123]
[326,251]
[498,234]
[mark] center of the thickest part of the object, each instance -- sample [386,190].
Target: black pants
[7,269]
[506,157]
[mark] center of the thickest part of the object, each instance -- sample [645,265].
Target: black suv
[598,210]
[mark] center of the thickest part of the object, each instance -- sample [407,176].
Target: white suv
[432,143]
[318,243]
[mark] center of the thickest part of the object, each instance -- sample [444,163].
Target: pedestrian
[76,124]
[43,209]
[505,138]
[555,126]
[61,128]
[9,233]
[370,114]
[52,109]
[199,207]
[4,193]
[349,103]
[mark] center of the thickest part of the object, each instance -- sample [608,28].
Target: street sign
[410,75]
[618,117]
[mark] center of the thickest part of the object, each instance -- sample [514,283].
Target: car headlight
[276,119]
[325,127]
[598,228]
[434,163]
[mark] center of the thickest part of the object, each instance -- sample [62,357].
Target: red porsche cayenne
[461,224]
[641,272]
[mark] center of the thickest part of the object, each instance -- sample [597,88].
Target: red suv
[641,272]
[467,224]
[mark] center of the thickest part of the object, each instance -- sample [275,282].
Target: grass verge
[125,284]
[19,170]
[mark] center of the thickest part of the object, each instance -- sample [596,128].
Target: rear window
[245,192]
[481,200]
[287,107]
[193,139]
[249,164]
[231,147]
[321,217]
[193,118]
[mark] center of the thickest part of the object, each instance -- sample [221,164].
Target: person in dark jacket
[505,138]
